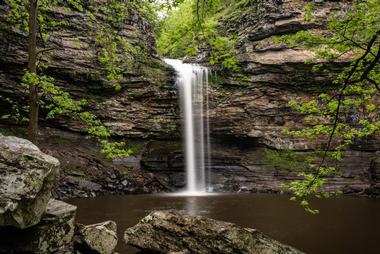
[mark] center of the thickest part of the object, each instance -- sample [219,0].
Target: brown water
[345,225]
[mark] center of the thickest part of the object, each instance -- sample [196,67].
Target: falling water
[192,82]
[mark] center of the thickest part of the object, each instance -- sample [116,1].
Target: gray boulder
[98,238]
[173,232]
[26,179]
[54,233]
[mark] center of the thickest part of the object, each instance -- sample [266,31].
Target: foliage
[308,10]
[17,114]
[307,165]
[95,128]
[290,160]
[192,27]
[59,103]
[310,185]
[347,113]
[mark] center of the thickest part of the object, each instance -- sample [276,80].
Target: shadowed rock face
[244,165]
[26,178]
[53,234]
[172,232]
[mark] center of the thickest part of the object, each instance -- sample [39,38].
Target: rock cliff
[254,110]
[145,108]
[249,112]
[146,105]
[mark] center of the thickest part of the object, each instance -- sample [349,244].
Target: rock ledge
[173,232]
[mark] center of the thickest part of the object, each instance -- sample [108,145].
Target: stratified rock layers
[145,107]
[249,112]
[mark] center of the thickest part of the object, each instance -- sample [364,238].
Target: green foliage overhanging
[193,27]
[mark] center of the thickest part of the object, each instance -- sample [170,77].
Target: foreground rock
[26,179]
[169,231]
[53,234]
[98,238]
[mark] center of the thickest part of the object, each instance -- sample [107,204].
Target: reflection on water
[346,225]
[192,206]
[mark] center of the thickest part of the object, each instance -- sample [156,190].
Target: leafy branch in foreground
[348,112]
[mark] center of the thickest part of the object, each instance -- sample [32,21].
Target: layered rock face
[249,113]
[172,232]
[146,105]
[256,106]
[145,108]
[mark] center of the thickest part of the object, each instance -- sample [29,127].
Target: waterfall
[192,82]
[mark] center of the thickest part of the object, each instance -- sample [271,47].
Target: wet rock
[53,234]
[172,232]
[26,178]
[98,238]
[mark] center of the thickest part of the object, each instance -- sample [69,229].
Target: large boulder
[173,232]
[54,233]
[26,179]
[98,238]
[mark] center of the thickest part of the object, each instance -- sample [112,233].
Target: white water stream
[192,82]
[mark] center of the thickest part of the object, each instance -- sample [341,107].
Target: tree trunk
[32,67]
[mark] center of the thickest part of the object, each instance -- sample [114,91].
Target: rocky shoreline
[32,222]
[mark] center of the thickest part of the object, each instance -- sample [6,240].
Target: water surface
[346,225]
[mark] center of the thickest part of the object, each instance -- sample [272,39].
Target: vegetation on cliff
[348,112]
[33,17]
